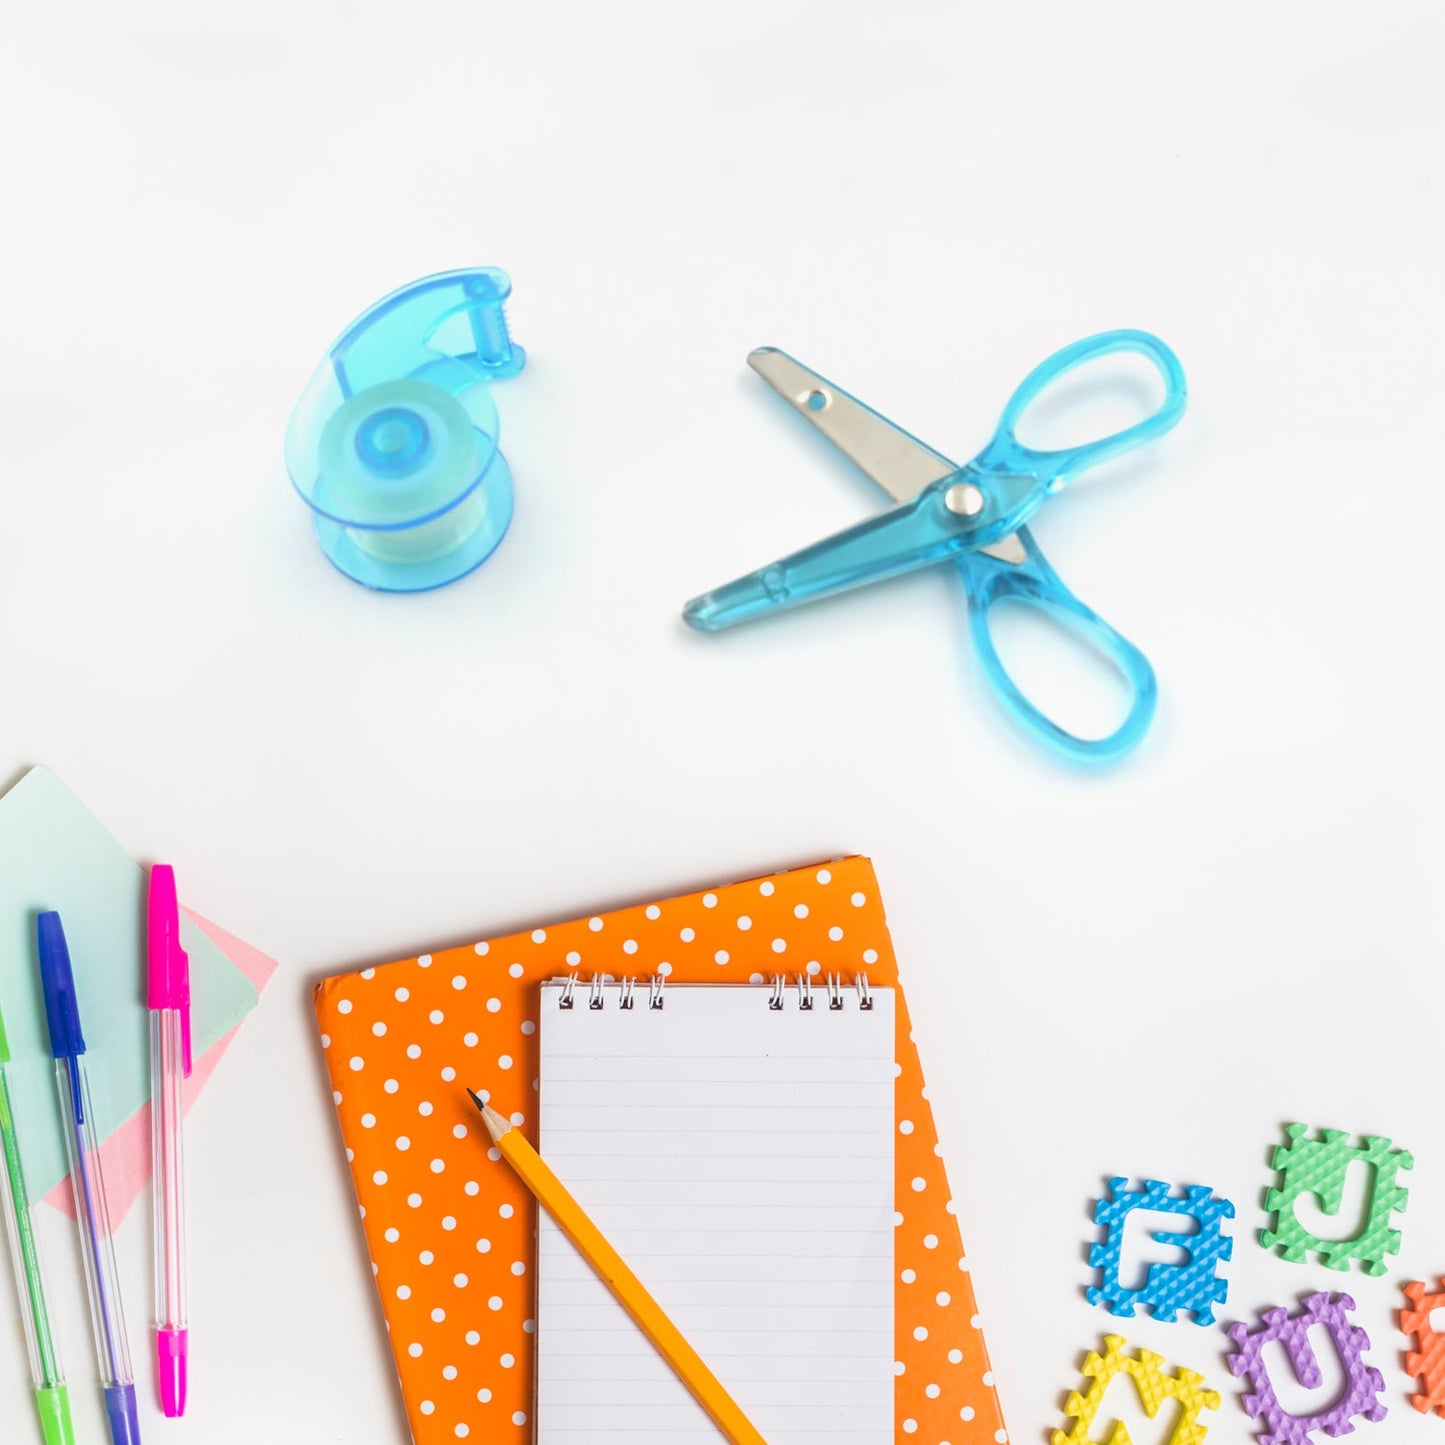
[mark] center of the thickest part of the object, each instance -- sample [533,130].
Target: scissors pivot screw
[964,499]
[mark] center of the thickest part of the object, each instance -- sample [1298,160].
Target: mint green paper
[54,853]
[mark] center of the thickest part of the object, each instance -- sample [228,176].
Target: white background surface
[1145,972]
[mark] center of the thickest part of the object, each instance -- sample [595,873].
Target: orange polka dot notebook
[453,1234]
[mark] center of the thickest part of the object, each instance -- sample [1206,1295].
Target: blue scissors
[974,516]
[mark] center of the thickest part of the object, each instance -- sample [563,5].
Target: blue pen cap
[62,1013]
[120,1412]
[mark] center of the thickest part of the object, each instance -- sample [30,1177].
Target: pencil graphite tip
[497,1124]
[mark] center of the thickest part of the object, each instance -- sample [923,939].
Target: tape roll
[394,443]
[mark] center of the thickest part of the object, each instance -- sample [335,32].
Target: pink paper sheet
[125,1157]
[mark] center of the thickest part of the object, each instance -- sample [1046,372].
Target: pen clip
[168,981]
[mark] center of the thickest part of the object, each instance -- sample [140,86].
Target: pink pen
[168,996]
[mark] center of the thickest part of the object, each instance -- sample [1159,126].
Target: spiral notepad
[735,1143]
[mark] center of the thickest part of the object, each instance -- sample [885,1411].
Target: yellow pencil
[612,1270]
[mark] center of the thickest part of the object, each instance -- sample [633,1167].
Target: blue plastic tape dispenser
[394,442]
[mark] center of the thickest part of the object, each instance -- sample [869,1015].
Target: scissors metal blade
[893,458]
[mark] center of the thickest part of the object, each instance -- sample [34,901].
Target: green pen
[51,1397]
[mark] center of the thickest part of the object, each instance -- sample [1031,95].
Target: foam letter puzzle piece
[1195,1285]
[1154,1384]
[1317,1166]
[1363,1384]
[1427,1360]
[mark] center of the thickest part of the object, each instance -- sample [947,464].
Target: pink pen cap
[168,972]
[173,1348]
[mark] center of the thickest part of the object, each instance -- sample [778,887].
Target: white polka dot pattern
[450,1228]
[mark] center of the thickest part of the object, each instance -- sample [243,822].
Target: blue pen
[67,1044]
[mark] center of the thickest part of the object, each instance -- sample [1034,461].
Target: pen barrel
[167,1078]
[45,1368]
[97,1249]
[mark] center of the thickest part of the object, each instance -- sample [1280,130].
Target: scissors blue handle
[1053,468]
[1034,583]
[975,515]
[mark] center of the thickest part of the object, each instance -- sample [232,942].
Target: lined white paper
[741,1161]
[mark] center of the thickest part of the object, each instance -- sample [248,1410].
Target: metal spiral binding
[836,987]
[834,983]
[601,982]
